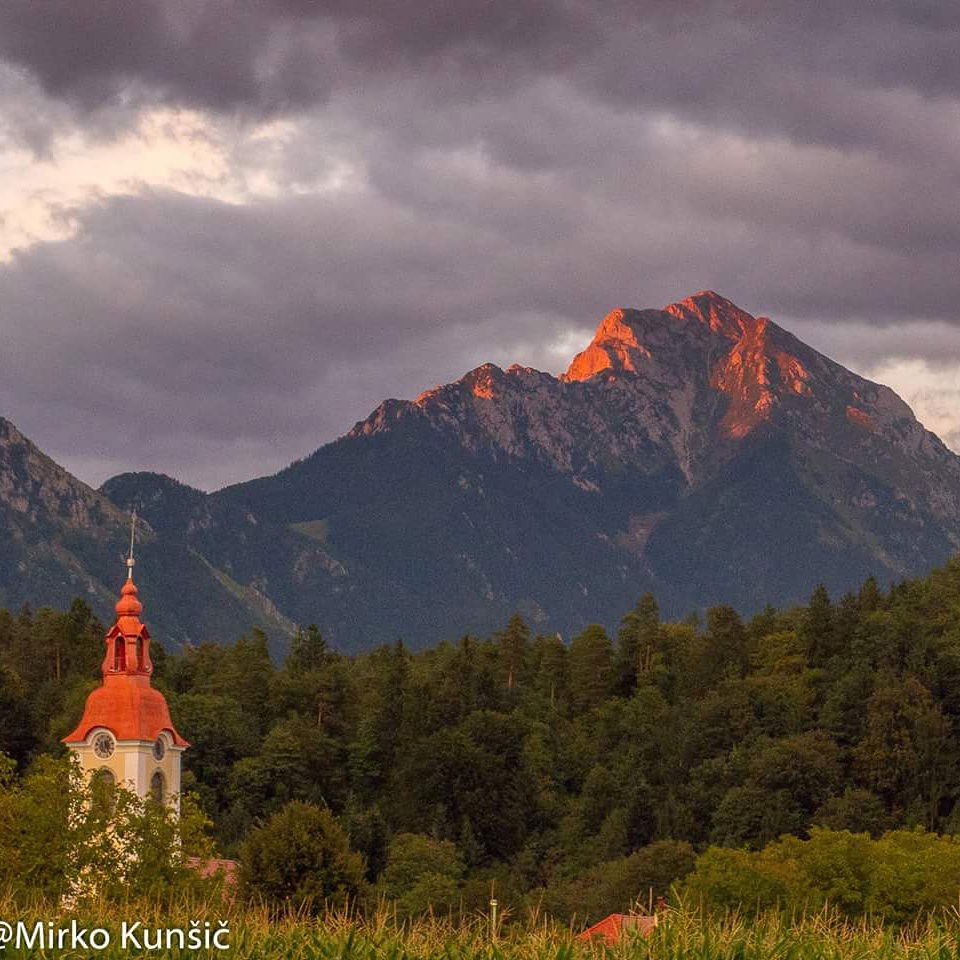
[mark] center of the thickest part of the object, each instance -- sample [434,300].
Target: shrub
[421,874]
[615,886]
[301,858]
[901,875]
[60,835]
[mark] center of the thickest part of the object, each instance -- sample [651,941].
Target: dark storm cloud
[212,54]
[272,55]
[521,168]
[746,61]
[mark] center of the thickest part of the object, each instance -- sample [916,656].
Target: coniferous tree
[550,665]
[818,626]
[638,642]
[726,643]
[308,650]
[513,644]
[591,668]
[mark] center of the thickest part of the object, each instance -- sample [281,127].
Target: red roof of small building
[212,868]
[126,704]
[612,928]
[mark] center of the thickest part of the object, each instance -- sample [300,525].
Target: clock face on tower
[159,749]
[103,745]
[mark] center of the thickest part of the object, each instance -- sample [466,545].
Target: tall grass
[683,934]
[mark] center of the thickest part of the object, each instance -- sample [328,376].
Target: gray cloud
[759,63]
[278,55]
[521,169]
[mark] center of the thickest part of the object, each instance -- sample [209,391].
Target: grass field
[339,936]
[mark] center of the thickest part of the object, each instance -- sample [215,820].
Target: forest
[571,774]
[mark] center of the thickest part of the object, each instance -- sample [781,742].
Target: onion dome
[126,704]
[128,605]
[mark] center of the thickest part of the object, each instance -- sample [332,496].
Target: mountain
[54,528]
[60,539]
[696,451]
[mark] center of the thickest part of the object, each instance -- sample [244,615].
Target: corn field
[682,935]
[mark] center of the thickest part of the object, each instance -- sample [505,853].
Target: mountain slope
[695,451]
[60,539]
[53,527]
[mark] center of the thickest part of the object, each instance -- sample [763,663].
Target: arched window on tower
[106,777]
[139,653]
[103,785]
[119,654]
[157,787]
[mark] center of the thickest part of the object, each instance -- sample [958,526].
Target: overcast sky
[229,229]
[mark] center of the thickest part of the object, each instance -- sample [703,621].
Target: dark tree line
[538,764]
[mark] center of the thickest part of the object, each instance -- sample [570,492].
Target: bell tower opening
[157,792]
[102,784]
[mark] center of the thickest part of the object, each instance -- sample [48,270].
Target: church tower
[126,735]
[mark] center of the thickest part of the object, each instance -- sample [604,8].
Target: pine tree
[308,650]
[638,642]
[591,667]
[816,630]
[513,647]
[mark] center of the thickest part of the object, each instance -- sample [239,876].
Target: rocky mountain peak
[698,368]
[720,315]
[706,342]
[635,341]
[616,347]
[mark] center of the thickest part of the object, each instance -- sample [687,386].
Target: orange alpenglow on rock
[752,360]
[126,734]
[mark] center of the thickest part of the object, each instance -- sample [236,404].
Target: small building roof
[611,929]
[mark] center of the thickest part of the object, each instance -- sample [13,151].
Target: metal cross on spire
[133,530]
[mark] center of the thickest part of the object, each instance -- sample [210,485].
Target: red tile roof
[211,868]
[612,928]
[129,708]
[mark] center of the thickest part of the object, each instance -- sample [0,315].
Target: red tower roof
[126,704]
